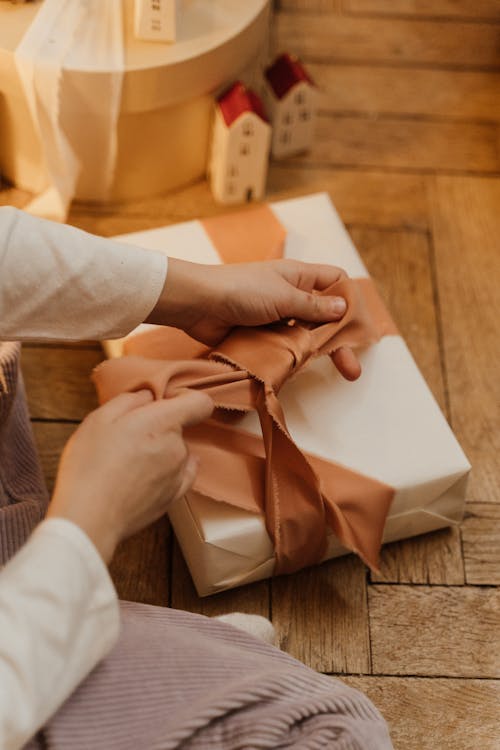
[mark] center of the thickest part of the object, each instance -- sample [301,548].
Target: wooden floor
[408,147]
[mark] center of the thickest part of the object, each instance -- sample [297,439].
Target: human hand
[207,301]
[126,463]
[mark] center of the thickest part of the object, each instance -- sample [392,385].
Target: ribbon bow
[300,495]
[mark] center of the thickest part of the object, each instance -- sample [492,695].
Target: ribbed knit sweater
[23,497]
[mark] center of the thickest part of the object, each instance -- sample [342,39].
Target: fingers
[347,363]
[188,408]
[124,403]
[309,276]
[303,279]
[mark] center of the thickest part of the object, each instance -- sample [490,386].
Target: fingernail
[338,306]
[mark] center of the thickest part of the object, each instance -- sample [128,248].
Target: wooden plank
[321,616]
[436,714]
[185,204]
[473,9]
[58,381]
[374,198]
[466,227]
[392,143]
[51,437]
[481,543]
[376,91]
[108,221]
[430,558]
[399,261]
[140,567]
[435,630]
[328,37]
[378,198]
[252,599]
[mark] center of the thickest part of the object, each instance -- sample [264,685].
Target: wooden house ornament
[241,139]
[291,97]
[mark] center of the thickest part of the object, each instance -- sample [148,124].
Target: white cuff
[59,616]
[105,596]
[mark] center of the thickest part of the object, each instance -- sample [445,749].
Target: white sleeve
[58,282]
[59,616]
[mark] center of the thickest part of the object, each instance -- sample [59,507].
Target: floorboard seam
[411,676]
[382,116]
[437,585]
[417,171]
[439,321]
[402,64]
[367,598]
[54,420]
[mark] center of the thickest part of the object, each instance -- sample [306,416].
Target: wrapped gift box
[386,425]
[166,102]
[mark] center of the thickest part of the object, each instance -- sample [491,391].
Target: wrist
[102,534]
[184,295]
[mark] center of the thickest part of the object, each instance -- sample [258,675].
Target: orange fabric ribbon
[300,495]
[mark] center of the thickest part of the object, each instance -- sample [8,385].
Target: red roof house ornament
[291,100]
[241,139]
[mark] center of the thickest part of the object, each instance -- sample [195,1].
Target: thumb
[315,308]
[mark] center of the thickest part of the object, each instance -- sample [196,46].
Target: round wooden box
[167,98]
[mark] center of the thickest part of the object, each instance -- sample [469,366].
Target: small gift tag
[156,20]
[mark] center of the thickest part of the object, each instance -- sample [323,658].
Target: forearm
[58,618]
[58,282]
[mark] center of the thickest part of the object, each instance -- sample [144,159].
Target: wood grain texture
[436,714]
[368,197]
[186,204]
[481,543]
[333,38]
[374,91]
[253,599]
[430,558]
[410,145]
[466,228]
[435,630]
[473,9]
[321,616]
[117,220]
[58,381]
